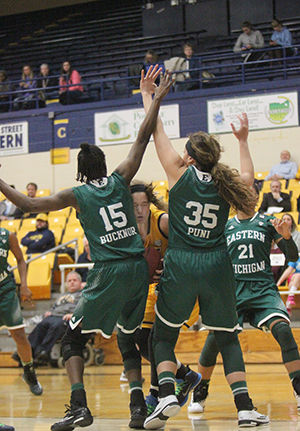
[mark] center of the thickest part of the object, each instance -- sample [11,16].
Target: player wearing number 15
[197,264]
[117,286]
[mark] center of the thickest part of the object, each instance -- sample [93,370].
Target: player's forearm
[246,163]
[147,100]
[149,122]
[289,248]
[19,199]
[22,268]
[285,275]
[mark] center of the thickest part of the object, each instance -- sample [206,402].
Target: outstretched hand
[164,86]
[147,82]
[242,133]
[281,227]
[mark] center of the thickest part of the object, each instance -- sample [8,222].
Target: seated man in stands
[275,201]
[285,169]
[31,190]
[4,88]
[7,209]
[40,240]
[247,41]
[54,324]
[45,82]
[85,257]
[151,58]
[191,77]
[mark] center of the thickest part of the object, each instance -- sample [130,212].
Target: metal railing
[51,250]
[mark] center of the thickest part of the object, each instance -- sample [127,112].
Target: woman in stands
[289,219]
[153,225]
[70,90]
[197,264]
[249,238]
[26,100]
[10,311]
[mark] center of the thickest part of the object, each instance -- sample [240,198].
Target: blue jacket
[38,241]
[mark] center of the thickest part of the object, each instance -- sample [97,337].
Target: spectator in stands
[26,99]
[44,82]
[7,209]
[190,78]
[248,41]
[54,324]
[285,169]
[275,201]
[40,240]
[69,76]
[31,190]
[282,38]
[85,257]
[151,58]
[4,88]
[289,219]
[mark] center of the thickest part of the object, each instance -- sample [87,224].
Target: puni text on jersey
[245,234]
[200,233]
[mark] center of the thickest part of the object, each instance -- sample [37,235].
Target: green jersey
[249,244]
[107,217]
[197,213]
[5,275]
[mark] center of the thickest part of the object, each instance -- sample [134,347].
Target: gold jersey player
[117,286]
[10,310]
[153,225]
[197,264]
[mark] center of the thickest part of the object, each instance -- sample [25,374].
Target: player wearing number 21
[197,264]
[117,286]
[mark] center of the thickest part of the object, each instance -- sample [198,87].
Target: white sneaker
[251,418]
[166,408]
[123,377]
[196,406]
[298,401]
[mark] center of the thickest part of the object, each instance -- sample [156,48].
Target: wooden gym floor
[108,400]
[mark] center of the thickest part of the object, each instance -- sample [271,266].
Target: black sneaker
[183,387]
[74,417]
[199,396]
[4,427]
[30,378]
[138,416]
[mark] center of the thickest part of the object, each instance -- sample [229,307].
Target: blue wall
[193,112]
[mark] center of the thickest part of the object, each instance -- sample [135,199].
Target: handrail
[51,250]
[64,266]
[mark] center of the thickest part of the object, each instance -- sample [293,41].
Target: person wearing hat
[41,239]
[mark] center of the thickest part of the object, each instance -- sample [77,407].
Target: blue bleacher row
[103,43]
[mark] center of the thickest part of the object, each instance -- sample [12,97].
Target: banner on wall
[264,112]
[121,127]
[13,138]
[61,138]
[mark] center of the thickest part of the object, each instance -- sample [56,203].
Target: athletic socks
[166,381]
[78,395]
[154,391]
[136,394]
[241,396]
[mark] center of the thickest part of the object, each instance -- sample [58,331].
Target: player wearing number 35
[197,264]
[117,286]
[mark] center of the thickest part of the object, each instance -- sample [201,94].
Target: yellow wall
[265,147]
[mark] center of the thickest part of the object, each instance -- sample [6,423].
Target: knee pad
[73,343]
[284,337]
[209,352]
[164,341]
[229,346]
[130,354]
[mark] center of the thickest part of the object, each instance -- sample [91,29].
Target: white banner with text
[13,138]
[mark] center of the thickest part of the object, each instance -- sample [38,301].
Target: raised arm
[129,167]
[55,202]
[246,164]
[171,161]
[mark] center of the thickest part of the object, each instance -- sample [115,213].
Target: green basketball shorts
[203,275]
[115,293]
[258,301]
[10,310]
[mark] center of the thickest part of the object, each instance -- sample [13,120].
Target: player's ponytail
[91,163]
[231,188]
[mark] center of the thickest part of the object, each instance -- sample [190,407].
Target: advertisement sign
[121,127]
[13,138]
[264,112]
